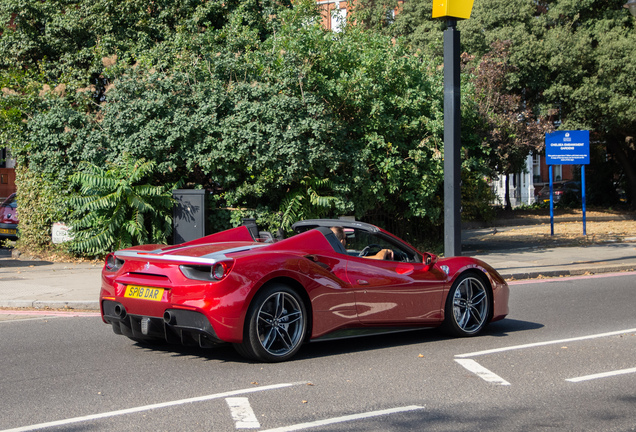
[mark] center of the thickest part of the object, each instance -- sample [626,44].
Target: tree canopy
[256,102]
[572,61]
[252,100]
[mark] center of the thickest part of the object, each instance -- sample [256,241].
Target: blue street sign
[567,148]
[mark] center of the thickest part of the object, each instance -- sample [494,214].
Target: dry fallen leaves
[569,232]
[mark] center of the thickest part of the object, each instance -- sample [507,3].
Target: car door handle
[363,282]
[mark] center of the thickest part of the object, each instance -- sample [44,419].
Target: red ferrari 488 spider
[333,278]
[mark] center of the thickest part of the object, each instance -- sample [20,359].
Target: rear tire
[468,306]
[275,325]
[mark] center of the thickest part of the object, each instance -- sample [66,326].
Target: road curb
[51,304]
[564,273]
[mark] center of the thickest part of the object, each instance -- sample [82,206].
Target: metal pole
[452,143]
[551,201]
[583,197]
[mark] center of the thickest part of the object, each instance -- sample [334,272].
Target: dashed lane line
[538,344]
[242,413]
[91,417]
[489,376]
[602,375]
[482,372]
[347,418]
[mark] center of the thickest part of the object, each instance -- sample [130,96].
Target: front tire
[468,306]
[275,325]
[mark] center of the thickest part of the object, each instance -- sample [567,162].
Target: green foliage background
[569,61]
[116,209]
[257,103]
[40,197]
[251,100]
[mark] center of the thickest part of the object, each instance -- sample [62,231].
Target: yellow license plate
[144,292]
[7,231]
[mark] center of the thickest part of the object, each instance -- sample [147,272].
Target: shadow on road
[507,326]
[15,263]
[327,348]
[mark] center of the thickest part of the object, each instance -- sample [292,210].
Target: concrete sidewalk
[43,284]
[531,263]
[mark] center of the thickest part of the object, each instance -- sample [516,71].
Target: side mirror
[429,259]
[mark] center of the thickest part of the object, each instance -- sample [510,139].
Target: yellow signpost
[452,8]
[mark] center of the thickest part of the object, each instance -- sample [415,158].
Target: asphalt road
[563,360]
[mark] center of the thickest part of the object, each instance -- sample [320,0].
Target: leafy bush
[41,202]
[306,202]
[477,199]
[115,209]
[253,100]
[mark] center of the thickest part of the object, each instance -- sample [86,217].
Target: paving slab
[530,263]
[41,284]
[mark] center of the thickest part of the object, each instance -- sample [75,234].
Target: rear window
[10,202]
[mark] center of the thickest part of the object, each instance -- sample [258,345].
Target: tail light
[213,273]
[219,270]
[113,263]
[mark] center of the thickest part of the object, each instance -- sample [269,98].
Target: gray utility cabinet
[189,214]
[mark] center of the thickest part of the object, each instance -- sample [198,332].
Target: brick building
[334,14]
[7,174]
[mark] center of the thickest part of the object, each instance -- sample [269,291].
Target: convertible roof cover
[345,223]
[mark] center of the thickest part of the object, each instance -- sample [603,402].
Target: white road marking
[602,375]
[538,344]
[149,407]
[343,419]
[482,372]
[569,278]
[7,321]
[49,313]
[242,413]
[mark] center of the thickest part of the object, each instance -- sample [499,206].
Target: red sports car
[333,278]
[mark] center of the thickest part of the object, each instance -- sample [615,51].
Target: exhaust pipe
[169,318]
[120,311]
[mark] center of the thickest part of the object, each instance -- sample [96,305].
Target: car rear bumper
[177,326]
[8,231]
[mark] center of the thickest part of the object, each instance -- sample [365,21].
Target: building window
[557,172]
[390,17]
[338,19]
[536,168]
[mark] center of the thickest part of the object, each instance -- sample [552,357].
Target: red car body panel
[396,292]
[340,291]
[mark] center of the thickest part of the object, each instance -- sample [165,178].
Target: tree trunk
[629,169]
[508,206]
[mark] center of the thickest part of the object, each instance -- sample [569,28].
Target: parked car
[267,298]
[559,190]
[9,218]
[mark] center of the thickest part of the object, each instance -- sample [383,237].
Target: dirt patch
[566,213]
[532,229]
[572,232]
